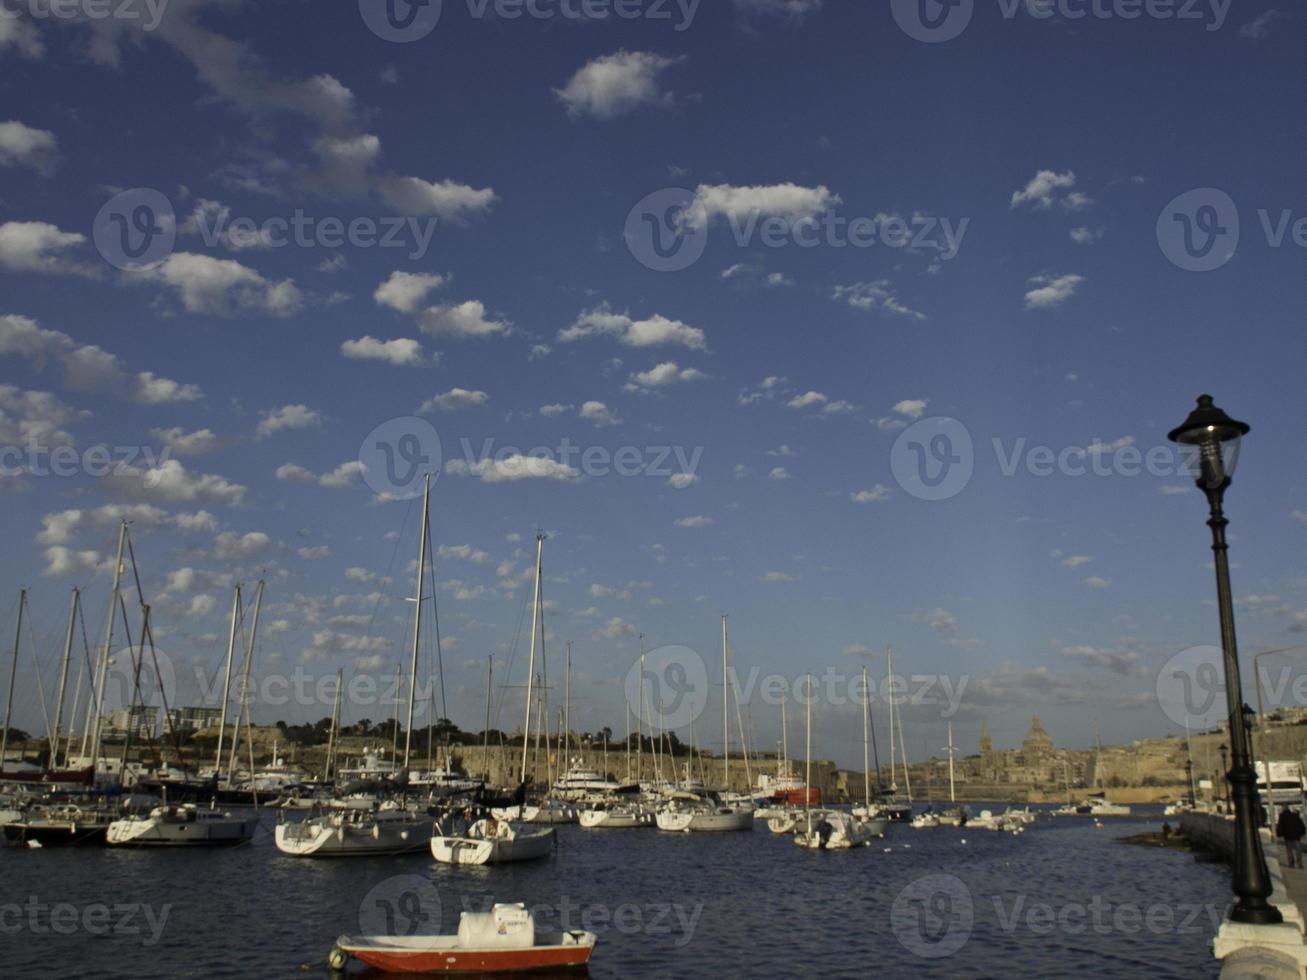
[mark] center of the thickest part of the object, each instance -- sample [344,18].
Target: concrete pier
[1274,952]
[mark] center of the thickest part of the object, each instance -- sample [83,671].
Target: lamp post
[1216,437]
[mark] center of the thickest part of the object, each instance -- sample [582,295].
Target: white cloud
[790,202]
[21,35]
[344,475]
[87,367]
[65,561]
[912,408]
[1049,188]
[406,291]
[1300,516]
[778,473]
[461,320]
[878,295]
[201,605]
[33,418]
[615,629]
[447,199]
[514,468]
[664,375]
[221,287]
[1085,236]
[699,520]
[810,399]
[682,481]
[1098,582]
[878,494]
[616,84]
[656,331]
[25,146]
[455,400]
[598,414]
[171,481]
[179,442]
[240,547]
[286,418]
[1260,27]
[463,552]
[1075,561]
[314,554]
[294,473]
[1049,292]
[554,411]
[35,246]
[776,578]
[403,352]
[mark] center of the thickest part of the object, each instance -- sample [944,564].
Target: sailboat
[390,828]
[868,813]
[689,812]
[493,840]
[831,830]
[954,816]
[897,808]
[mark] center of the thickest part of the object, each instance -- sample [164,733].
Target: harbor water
[1063,899]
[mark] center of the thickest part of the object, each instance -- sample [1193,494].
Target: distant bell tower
[986,743]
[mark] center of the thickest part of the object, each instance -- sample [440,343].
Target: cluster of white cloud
[616,84]
[22,145]
[87,367]
[878,295]
[655,331]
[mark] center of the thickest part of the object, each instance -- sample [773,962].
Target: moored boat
[493,841]
[504,940]
[181,826]
[352,833]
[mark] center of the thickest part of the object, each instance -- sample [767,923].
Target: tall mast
[335,723]
[639,720]
[807,766]
[13,676]
[628,740]
[226,684]
[952,792]
[567,705]
[726,701]
[866,742]
[245,690]
[531,661]
[417,615]
[97,694]
[63,685]
[889,688]
[785,744]
[490,681]
[903,752]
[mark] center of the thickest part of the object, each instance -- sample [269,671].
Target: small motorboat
[837,831]
[182,826]
[503,940]
[616,816]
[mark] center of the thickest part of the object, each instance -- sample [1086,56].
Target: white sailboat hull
[714,821]
[154,831]
[328,839]
[529,846]
[615,819]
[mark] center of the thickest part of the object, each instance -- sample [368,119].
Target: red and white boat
[503,940]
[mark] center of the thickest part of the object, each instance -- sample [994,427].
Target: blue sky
[1052,146]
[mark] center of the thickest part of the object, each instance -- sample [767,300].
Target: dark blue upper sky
[1054,148]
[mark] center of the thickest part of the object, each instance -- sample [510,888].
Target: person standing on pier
[1291,829]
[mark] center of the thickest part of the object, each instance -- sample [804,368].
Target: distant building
[193,719]
[138,722]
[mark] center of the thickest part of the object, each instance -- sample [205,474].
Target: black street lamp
[1216,438]
[1225,770]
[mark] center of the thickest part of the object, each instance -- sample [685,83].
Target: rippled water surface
[1062,900]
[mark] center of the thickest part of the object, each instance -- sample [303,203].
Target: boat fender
[376,832]
[337,959]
